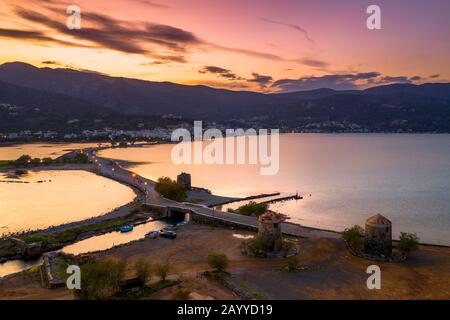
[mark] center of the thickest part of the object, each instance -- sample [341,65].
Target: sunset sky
[261,45]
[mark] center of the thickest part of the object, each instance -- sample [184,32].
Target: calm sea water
[344,178]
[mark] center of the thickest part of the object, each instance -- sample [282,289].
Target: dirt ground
[333,273]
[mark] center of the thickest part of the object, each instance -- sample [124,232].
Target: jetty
[286,198]
[255,197]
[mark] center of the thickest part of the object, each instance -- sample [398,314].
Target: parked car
[168,234]
[152,234]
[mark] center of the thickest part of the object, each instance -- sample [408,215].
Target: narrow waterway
[97,243]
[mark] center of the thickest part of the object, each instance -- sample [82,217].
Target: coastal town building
[378,235]
[269,229]
[184,180]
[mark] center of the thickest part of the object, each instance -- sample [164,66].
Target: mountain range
[70,93]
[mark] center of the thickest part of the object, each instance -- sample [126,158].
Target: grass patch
[35,238]
[251,292]
[4,163]
[34,270]
[253,209]
[70,235]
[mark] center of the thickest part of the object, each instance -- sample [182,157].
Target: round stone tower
[269,228]
[378,235]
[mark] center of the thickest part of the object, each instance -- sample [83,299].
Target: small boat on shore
[180,224]
[126,229]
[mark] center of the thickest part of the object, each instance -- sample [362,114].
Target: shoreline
[140,193]
[4,143]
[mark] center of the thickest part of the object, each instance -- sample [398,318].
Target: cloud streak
[262,80]
[163,43]
[221,72]
[292,26]
[152,4]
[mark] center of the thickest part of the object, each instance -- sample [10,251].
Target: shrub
[35,162]
[292,262]
[287,246]
[162,270]
[47,161]
[101,280]
[81,158]
[257,245]
[22,161]
[354,237]
[253,208]
[408,242]
[170,189]
[218,261]
[142,269]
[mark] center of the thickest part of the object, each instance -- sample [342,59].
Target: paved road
[112,169]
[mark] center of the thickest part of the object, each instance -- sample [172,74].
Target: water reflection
[14,266]
[96,243]
[349,177]
[40,150]
[242,236]
[109,240]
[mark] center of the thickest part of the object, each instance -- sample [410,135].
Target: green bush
[162,270]
[407,242]
[170,189]
[101,280]
[253,208]
[287,246]
[47,161]
[218,261]
[4,163]
[257,245]
[142,269]
[354,237]
[35,162]
[23,160]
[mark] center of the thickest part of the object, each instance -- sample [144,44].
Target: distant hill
[414,107]
[130,96]
[47,102]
